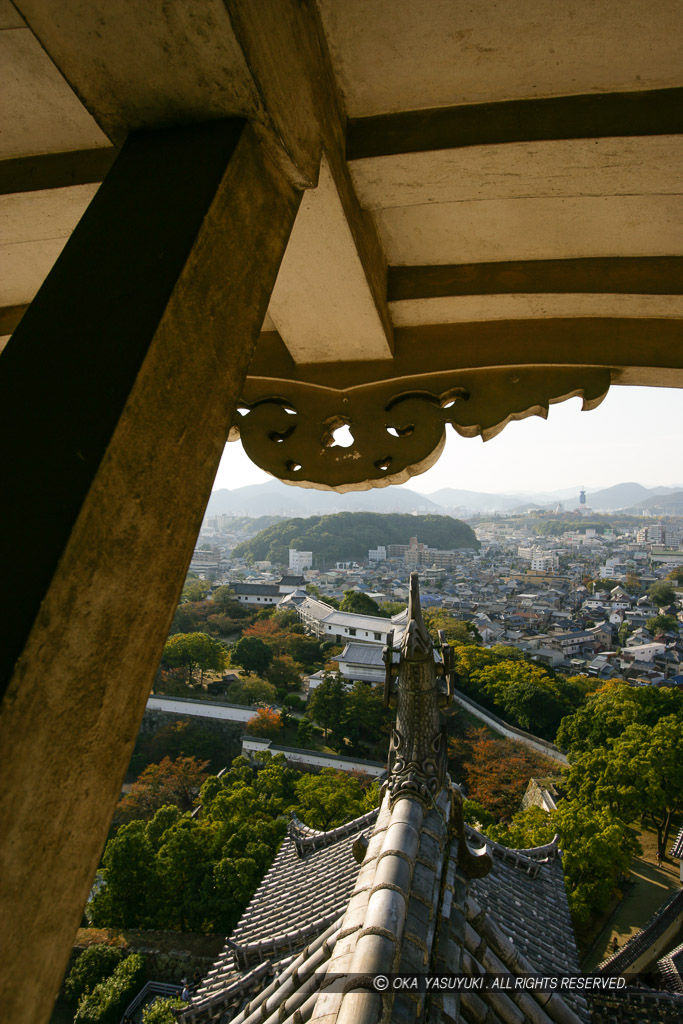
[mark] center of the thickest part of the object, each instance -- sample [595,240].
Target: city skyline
[636,434]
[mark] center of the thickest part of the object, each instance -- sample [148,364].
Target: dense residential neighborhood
[580,599]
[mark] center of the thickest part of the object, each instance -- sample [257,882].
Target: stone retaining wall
[154,720]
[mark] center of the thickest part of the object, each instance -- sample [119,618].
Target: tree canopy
[252,654]
[193,651]
[638,773]
[326,703]
[357,601]
[611,709]
[198,874]
[662,593]
[331,798]
[194,589]
[663,624]
[525,694]
[456,630]
[266,723]
[495,771]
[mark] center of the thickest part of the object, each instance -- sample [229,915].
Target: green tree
[476,815]
[284,672]
[598,850]
[457,631]
[605,585]
[358,602]
[364,712]
[632,584]
[529,828]
[179,872]
[195,589]
[611,709]
[92,966]
[194,651]
[184,868]
[638,773]
[161,1011]
[624,633]
[252,654]
[252,690]
[676,575]
[390,608]
[224,600]
[127,899]
[182,738]
[107,1001]
[526,694]
[662,593]
[662,624]
[332,798]
[326,703]
[304,650]
[304,732]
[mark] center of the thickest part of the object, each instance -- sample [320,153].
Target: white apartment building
[300,560]
[548,561]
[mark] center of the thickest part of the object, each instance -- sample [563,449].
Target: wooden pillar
[116,395]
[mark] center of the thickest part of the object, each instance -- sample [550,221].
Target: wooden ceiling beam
[606,115]
[55,170]
[637,275]
[639,351]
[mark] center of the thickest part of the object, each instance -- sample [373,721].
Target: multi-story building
[205,562]
[300,560]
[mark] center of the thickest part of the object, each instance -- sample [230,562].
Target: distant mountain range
[278,499]
[275,498]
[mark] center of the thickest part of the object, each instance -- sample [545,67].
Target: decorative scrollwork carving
[396,433]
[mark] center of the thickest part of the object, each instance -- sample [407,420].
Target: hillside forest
[347,536]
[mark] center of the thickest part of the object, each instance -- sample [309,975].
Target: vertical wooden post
[116,395]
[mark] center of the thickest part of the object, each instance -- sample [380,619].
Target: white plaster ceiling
[393,55]
[648,165]
[452,309]
[34,228]
[531,229]
[39,112]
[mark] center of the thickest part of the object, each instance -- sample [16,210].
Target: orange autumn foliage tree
[266,723]
[170,782]
[270,632]
[494,770]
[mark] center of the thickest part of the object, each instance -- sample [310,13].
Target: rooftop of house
[263,589]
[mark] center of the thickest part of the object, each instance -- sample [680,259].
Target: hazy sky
[636,434]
